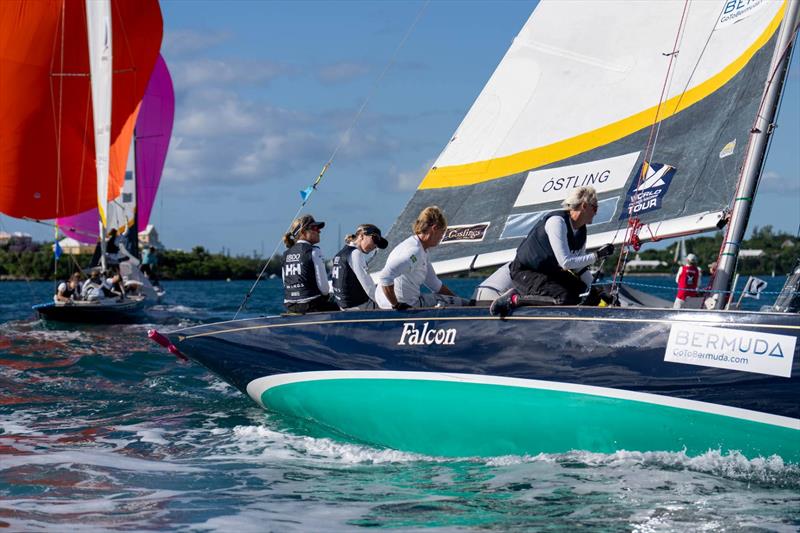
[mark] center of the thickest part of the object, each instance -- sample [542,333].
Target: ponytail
[350,238]
[288,240]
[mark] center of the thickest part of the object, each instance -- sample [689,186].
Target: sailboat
[69,101]
[652,103]
[131,209]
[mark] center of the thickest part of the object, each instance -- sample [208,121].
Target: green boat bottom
[458,415]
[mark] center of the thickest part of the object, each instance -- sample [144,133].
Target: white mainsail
[669,86]
[98,26]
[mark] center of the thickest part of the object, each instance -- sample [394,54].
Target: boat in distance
[105,311]
[460,382]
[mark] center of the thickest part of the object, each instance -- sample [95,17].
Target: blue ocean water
[101,430]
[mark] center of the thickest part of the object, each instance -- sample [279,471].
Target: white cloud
[185,41]
[772,181]
[408,180]
[341,72]
[216,72]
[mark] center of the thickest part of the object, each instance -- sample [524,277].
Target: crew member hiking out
[551,266]
[305,280]
[353,287]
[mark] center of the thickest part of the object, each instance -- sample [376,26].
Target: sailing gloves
[605,251]
[401,306]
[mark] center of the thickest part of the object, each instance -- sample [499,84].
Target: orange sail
[47,152]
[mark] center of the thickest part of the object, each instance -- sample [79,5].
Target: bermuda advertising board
[733,349]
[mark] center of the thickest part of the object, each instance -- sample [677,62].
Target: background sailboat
[69,99]
[131,209]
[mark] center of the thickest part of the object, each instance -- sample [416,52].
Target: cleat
[504,303]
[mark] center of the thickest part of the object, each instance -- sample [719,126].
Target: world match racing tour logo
[647,195]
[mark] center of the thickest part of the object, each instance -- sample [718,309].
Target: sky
[266,90]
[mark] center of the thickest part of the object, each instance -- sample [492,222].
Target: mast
[754,160]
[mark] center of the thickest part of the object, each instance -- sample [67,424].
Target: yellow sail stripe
[480,171]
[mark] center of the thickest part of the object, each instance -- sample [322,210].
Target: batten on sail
[567,108]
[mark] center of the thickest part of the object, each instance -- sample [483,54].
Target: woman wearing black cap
[305,281]
[353,287]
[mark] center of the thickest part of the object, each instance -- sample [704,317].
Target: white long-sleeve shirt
[358,263]
[407,268]
[556,229]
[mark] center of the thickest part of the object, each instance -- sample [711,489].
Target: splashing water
[102,430]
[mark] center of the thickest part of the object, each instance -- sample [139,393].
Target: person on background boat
[551,265]
[92,289]
[408,268]
[305,281]
[688,279]
[352,285]
[113,257]
[70,290]
[112,286]
[149,263]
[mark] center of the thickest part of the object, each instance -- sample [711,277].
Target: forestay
[580,104]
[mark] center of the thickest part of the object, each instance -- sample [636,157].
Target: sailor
[543,269]
[92,289]
[70,290]
[352,285]
[149,263]
[305,281]
[495,285]
[112,287]
[688,279]
[408,267]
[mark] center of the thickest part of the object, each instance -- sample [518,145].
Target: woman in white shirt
[408,268]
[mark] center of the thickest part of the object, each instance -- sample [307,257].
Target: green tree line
[781,251]
[198,264]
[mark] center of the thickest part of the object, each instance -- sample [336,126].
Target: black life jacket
[70,292]
[299,277]
[347,290]
[535,252]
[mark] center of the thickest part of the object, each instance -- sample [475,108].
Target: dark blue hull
[617,348]
[111,312]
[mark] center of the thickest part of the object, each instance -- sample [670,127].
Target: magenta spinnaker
[152,134]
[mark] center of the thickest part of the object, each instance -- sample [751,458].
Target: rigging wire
[344,138]
[634,225]
[788,49]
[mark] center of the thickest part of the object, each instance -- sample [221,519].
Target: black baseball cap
[307,221]
[375,232]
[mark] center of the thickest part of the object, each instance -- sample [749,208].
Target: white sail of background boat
[653,103]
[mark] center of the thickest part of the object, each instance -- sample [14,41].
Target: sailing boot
[504,303]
